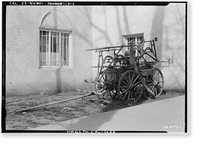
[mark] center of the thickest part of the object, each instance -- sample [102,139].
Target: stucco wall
[23,75]
[165,22]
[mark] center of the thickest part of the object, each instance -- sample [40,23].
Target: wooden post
[132,58]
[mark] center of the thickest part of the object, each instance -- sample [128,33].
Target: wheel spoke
[159,86]
[135,79]
[132,96]
[128,95]
[124,87]
[137,83]
[124,82]
[132,77]
[155,91]
[150,84]
[125,95]
[127,80]
[129,77]
[137,91]
[151,88]
[125,91]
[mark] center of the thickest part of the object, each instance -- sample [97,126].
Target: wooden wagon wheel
[155,82]
[101,76]
[130,86]
[105,63]
[102,86]
[112,89]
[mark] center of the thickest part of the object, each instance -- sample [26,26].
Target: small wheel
[130,86]
[155,83]
[101,78]
[106,86]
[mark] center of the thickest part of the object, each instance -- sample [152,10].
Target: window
[54,48]
[133,39]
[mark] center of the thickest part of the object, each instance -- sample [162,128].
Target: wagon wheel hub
[155,82]
[130,87]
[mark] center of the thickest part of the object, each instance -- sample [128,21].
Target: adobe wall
[23,75]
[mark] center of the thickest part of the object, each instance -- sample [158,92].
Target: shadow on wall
[157,29]
[126,29]
[105,36]
[126,21]
[79,33]
[174,44]
[58,80]
[57,71]
[170,45]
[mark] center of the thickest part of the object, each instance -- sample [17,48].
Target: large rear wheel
[130,86]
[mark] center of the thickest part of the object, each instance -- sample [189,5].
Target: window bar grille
[57,49]
[60,55]
[67,50]
[52,58]
[62,49]
[44,49]
[46,60]
[49,48]
[40,49]
[43,55]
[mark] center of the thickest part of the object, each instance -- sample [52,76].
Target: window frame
[125,37]
[128,36]
[70,46]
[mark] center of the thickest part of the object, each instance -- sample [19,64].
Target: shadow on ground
[95,121]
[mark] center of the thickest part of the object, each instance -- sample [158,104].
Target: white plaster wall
[23,75]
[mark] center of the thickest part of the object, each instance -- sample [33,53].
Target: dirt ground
[63,111]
